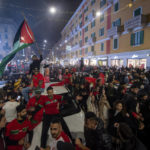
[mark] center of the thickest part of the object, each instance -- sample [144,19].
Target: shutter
[142,37]
[132,39]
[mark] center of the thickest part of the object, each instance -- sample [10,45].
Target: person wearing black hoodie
[35,63]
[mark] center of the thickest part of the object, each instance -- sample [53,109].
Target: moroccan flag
[24,37]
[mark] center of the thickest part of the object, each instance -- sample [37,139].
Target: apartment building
[108,32]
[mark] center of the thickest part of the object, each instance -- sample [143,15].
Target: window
[102,18]
[80,24]
[6,36]
[86,9]
[116,23]
[86,18]
[86,29]
[137,38]
[80,16]
[92,48]
[102,47]
[116,6]
[76,36]
[93,24]
[86,50]
[115,43]
[80,33]
[93,2]
[102,3]
[138,12]
[93,35]
[80,42]
[80,52]
[6,29]
[101,32]
[86,39]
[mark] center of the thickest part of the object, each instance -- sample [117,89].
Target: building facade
[7,33]
[108,32]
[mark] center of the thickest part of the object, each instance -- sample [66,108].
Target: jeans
[25,93]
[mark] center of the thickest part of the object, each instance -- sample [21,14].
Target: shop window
[102,3]
[116,6]
[102,47]
[101,32]
[116,23]
[93,35]
[138,12]
[102,18]
[86,29]
[137,38]
[92,2]
[86,39]
[115,43]
[93,24]
[86,50]
[92,48]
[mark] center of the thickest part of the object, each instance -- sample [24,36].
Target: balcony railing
[115,30]
[135,22]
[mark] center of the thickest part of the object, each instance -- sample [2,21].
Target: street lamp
[98,13]
[52,10]
[45,41]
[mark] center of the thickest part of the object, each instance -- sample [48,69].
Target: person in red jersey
[17,130]
[35,107]
[57,134]
[67,77]
[37,82]
[51,106]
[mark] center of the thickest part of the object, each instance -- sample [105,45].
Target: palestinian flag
[24,37]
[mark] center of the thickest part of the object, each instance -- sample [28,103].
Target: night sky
[43,24]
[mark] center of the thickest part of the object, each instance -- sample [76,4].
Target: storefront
[93,62]
[86,62]
[137,63]
[103,61]
[117,62]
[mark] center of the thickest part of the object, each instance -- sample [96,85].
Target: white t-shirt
[10,110]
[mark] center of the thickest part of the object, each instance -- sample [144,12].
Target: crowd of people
[115,101]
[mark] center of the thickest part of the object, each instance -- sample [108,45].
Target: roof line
[83,1]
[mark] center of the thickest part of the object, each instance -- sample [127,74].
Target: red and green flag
[24,37]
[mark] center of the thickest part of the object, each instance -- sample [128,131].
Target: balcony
[115,30]
[135,22]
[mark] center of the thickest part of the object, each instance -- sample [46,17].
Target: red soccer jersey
[36,79]
[66,78]
[16,131]
[51,105]
[33,102]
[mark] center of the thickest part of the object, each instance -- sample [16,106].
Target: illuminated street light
[45,41]
[98,13]
[52,10]
[66,41]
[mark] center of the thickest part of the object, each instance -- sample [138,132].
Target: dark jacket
[35,64]
[97,139]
